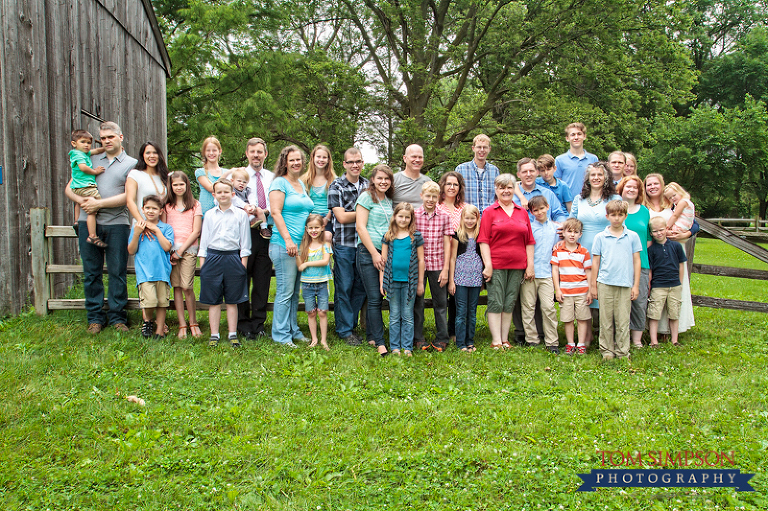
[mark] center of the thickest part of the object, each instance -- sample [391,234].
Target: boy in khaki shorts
[666,259]
[571,271]
[150,243]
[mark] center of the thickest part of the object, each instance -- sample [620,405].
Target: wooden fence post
[41,256]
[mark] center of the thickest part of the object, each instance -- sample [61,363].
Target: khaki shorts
[154,294]
[574,307]
[183,272]
[672,297]
[88,191]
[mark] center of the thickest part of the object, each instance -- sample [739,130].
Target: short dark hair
[153,198]
[78,134]
[537,202]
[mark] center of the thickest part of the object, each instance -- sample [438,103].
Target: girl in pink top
[185,215]
[682,217]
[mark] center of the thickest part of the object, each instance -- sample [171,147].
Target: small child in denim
[402,249]
[314,263]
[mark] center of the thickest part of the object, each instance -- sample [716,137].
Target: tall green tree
[236,75]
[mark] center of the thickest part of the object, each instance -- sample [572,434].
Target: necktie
[260,192]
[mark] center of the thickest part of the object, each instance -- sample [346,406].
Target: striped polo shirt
[572,266]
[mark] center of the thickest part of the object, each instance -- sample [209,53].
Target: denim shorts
[315,296]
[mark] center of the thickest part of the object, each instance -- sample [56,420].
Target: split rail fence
[43,269]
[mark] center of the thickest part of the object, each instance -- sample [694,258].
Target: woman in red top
[506,245]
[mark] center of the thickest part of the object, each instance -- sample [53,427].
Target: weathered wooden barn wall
[67,64]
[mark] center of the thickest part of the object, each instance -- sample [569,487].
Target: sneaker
[352,340]
[147,330]
[266,232]
[121,327]
[423,345]
[581,350]
[213,341]
[532,345]
[290,345]
[94,328]
[554,350]
[440,346]
[570,349]
[302,339]
[234,341]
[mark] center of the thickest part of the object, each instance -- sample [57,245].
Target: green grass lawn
[276,429]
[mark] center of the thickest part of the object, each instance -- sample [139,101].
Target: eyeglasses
[354,162]
[451,184]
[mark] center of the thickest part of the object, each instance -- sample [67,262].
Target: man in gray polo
[113,226]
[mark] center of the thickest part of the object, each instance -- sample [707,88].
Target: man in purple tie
[253,314]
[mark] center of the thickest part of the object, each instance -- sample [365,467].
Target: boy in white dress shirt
[225,244]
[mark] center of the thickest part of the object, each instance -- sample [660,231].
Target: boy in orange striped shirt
[571,269]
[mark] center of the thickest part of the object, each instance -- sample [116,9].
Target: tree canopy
[643,75]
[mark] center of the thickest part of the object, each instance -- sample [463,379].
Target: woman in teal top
[290,206]
[318,178]
[632,190]
[374,211]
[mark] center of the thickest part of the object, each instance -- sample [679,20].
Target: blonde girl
[682,216]
[185,215]
[314,263]
[210,172]
[466,276]
[403,276]
[318,178]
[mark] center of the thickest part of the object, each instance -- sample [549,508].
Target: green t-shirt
[638,222]
[379,215]
[79,178]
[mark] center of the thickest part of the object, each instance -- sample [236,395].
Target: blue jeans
[400,317]
[370,277]
[116,255]
[466,315]
[349,293]
[315,296]
[284,325]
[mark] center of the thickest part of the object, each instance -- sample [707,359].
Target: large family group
[570,229]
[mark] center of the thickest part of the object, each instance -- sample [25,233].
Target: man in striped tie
[253,314]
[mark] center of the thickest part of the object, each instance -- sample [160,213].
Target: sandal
[182,332]
[506,345]
[95,240]
[192,327]
[497,346]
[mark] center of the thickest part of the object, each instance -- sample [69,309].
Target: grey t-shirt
[111,182]
[409,190]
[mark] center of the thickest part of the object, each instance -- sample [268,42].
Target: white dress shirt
[225,230]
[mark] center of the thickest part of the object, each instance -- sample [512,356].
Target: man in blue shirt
[479,175]
[527,172]
[572,164]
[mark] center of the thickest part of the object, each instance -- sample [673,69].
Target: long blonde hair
[307,239]
[393,228]
[209,140]
[311,174]
[663,201]
[462,233]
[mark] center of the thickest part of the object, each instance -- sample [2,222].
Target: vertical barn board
[60,106]
[35,184]
[9,127]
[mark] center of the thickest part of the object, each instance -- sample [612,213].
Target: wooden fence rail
[43,269]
